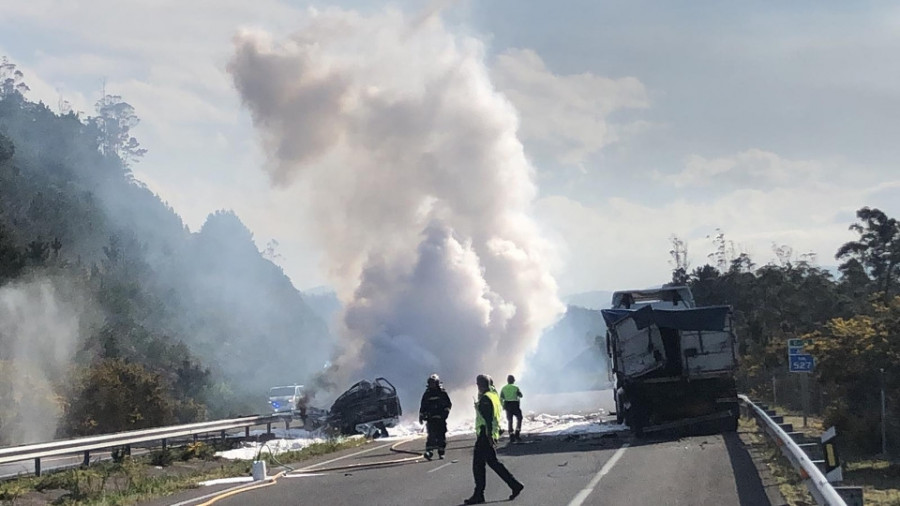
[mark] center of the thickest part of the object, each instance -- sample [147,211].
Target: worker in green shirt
[509,396]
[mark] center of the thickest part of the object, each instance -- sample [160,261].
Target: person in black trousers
[433,411]
[487,432]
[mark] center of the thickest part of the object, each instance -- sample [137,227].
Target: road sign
[801,362]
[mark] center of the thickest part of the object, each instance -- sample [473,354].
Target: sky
[770,121]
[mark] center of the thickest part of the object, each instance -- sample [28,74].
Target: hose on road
[417,457]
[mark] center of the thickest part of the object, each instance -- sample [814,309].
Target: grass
[786,478]
[879,478]
[137,479]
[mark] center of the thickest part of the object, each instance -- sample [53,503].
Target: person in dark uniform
[433,412]
[487,432]
[509,397]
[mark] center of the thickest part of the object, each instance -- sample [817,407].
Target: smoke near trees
[105,295]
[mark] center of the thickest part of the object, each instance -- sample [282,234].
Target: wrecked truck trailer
[368,407]
[674,363]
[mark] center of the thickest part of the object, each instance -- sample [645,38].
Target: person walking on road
[487,432]
[509,396]
[433,412]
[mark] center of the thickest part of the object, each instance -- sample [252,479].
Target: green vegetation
[852,323]
[137,479]
[117,316]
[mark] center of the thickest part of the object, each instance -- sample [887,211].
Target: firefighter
[509,396]
[433,411]
[487,432]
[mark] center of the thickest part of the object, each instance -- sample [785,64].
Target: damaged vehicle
[368,407]
[674,362]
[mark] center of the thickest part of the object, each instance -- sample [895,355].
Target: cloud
[753,168]
[566,117]
[794,203]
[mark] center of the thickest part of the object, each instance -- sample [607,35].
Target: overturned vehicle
[674,363]
[367,407]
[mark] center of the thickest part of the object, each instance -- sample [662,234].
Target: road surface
[568,471]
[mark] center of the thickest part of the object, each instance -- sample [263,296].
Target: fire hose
[415,457]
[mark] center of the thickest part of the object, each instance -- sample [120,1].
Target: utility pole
[804,382]
[883,418]
[774,393]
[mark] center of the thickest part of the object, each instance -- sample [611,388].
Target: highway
[565,470]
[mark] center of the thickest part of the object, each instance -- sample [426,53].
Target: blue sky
[772,121]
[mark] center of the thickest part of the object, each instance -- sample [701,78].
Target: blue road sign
[801,363]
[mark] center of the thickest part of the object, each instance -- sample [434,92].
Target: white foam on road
[534,423]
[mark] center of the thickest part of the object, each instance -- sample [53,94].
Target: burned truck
[673,362]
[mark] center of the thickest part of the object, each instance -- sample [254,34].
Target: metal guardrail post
[269,428]
[247,431]
[37,466]
[87,458]
[818,485]
[165,444]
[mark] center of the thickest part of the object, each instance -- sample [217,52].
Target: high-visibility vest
[509,392]
[495,423]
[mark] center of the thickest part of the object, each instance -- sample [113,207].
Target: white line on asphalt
[586,491]
[439,468]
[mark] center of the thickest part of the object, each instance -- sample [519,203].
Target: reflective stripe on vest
[509,392]
[495,423]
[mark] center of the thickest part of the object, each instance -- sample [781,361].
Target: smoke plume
[39,334]
[391,137]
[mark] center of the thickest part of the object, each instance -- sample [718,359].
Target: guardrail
[86,445]
[815,481]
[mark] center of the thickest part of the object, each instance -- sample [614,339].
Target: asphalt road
[704,470]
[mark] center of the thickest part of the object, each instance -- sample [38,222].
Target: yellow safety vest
[509,392]
[495,423]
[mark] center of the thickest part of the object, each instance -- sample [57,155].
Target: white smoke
[39,334]
[390,135]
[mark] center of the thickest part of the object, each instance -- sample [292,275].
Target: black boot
[475,499]
[516,490]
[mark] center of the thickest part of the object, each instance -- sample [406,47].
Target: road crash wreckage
[367,407]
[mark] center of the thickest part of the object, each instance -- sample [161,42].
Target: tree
[680,262]
[851,353]
[11,79]
[115,119]
[115,395]
[877,249]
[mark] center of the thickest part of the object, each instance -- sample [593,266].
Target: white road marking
[586,491]
[439,468]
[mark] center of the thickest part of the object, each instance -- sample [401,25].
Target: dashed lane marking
[579,499]
[441,467]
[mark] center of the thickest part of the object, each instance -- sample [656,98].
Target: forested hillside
[113,315]
[852,321]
